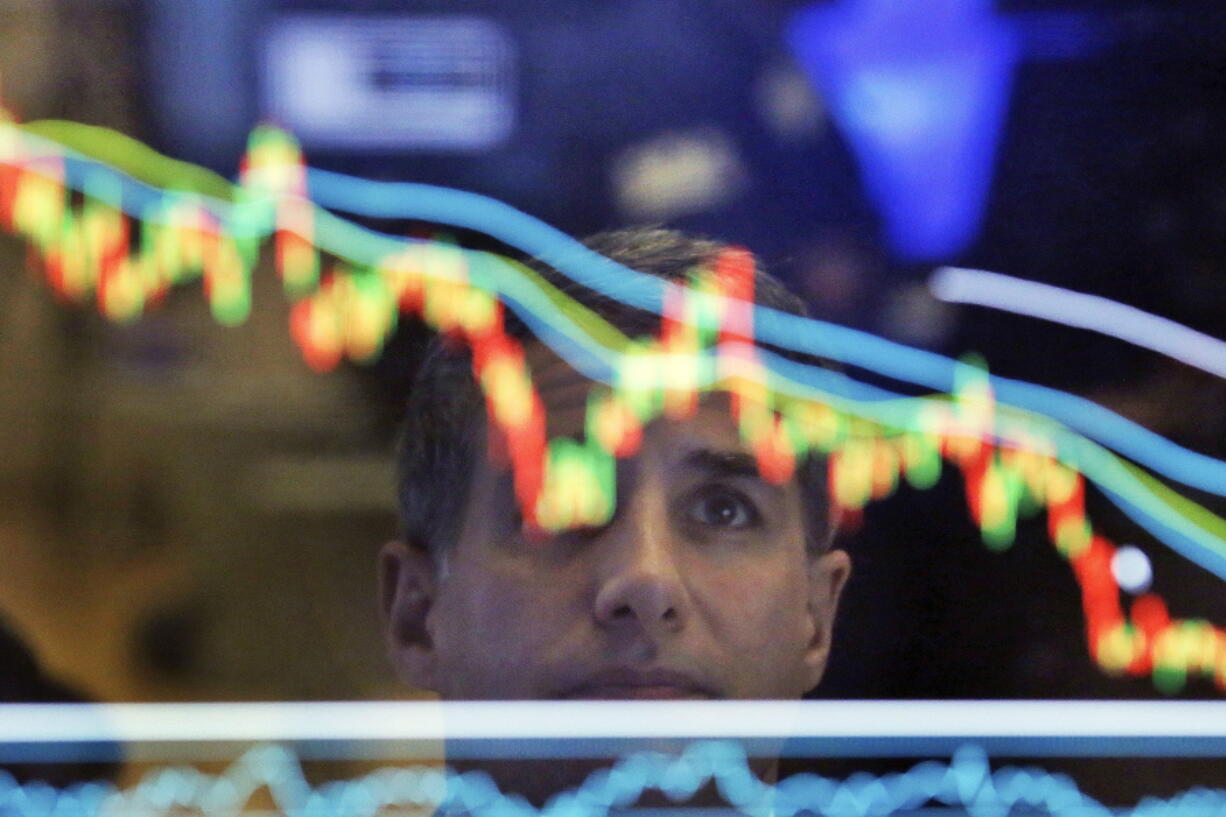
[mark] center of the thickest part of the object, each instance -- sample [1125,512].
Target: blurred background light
[395,83]
[921,90]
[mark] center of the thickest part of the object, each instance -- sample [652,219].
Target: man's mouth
[639,685]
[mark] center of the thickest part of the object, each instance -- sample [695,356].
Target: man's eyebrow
[723,463]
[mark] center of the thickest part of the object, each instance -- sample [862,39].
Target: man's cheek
[766,615]
[745,591]
[515,619]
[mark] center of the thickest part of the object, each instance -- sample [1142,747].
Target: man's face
[700,586]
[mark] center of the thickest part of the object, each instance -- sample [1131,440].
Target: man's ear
[827,575]
[406,595]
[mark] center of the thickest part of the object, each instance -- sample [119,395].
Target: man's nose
[639,580]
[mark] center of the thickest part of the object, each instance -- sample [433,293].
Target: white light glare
[1131,569]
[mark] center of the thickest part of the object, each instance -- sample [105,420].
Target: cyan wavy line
[965,781]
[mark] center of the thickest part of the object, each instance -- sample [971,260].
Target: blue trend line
[410,200]
[892,410]
[928,369]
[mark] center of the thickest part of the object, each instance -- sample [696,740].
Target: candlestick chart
[108,220]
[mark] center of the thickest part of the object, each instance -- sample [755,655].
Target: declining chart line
[244,213]
[505,287]
[927,369]
[100,232]
[966,781]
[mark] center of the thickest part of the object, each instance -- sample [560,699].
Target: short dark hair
[440,437]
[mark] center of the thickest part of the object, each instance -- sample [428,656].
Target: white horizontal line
[420,721]
[1093,312]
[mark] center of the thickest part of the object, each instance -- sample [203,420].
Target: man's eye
[723,510]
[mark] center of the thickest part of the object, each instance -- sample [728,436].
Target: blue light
[920,91]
